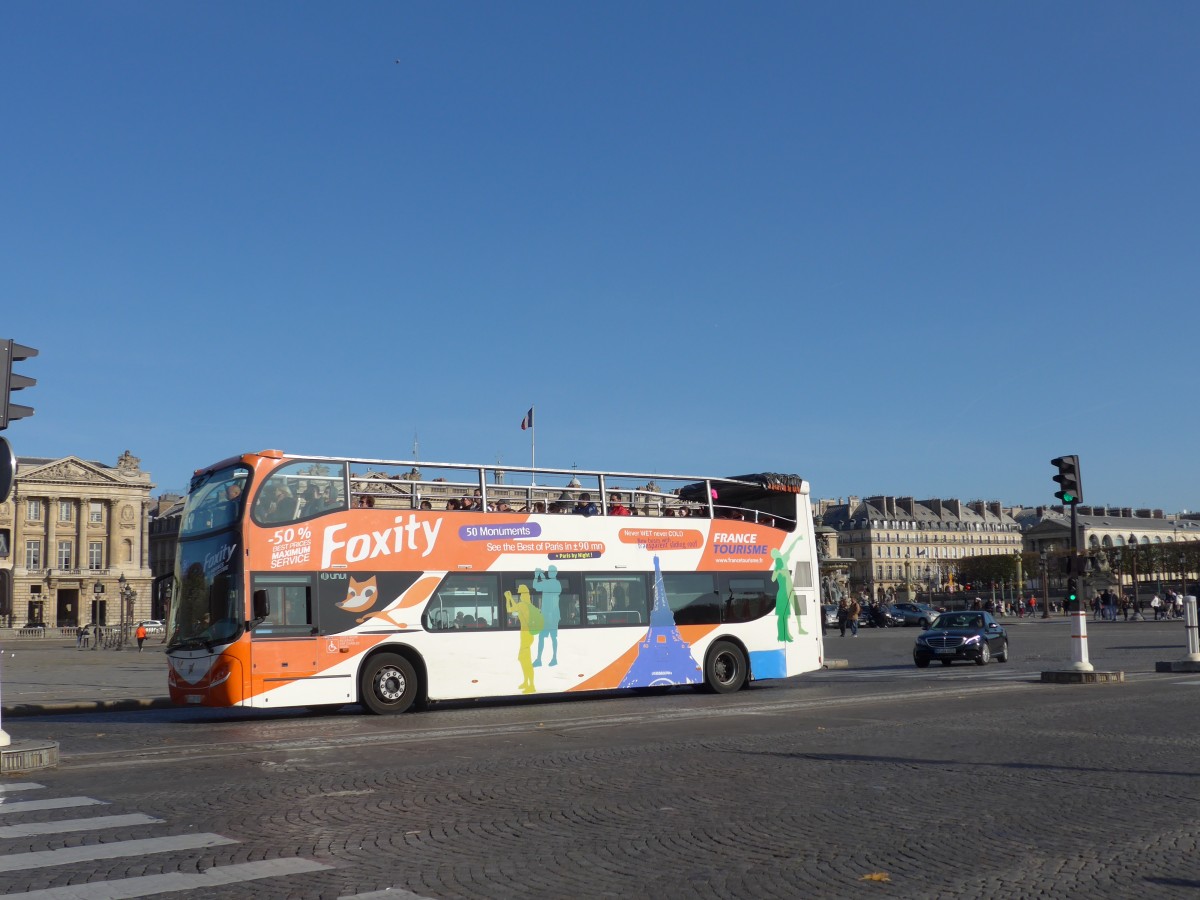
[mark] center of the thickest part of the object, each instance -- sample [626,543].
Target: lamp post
[128,595]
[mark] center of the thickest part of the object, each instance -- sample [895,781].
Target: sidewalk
[49,675]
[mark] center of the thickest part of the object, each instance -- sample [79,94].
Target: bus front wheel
[388,684]
[725,668]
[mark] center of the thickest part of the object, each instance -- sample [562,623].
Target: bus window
[464,603]
[748,598]
[291,606]
[692,598]
[568,593]
[300,490]
[616,599]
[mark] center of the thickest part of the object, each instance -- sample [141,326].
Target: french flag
[527,422]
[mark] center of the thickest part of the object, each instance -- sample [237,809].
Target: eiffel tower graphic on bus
[663,655]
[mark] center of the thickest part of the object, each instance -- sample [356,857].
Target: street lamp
[128,595]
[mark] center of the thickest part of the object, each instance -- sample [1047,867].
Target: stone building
[78,538]
[898,544]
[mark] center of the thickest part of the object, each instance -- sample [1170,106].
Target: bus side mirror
[262,605]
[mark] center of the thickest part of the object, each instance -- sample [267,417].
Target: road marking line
[146,885]
[41,859]
[21,806]
[20,786]
[393,893]
[64,825]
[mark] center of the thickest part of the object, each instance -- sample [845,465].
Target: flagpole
[532,447]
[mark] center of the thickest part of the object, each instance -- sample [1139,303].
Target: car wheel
[945,662]
[1002,656]
[923,623]
[725,668]
[388,684]
[985,655]
[921,663]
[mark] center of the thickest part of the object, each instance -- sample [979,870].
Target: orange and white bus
[320,581]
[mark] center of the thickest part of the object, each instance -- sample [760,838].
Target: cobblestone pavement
[967,782]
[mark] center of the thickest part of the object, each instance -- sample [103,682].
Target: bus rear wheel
[388,684]
[725,668]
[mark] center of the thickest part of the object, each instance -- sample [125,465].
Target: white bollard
[1079,647]
[1192,628]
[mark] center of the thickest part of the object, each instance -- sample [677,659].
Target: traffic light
[1072,589]
[13,352]
[1068,479]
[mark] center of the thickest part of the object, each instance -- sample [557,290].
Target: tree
[987,570]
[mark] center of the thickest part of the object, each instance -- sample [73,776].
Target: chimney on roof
[905,504]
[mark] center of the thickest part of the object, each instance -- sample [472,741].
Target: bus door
[285,646]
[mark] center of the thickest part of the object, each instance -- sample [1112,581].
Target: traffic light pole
[1079,644]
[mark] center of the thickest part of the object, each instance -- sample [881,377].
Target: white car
[154,626]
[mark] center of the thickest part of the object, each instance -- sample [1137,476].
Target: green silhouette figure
[525,611]
[782,576]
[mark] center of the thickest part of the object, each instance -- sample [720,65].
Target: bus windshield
[214,500]
[208,605]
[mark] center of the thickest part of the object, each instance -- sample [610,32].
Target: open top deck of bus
[411,484]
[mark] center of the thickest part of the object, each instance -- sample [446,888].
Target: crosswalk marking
[40,859]
[21,806]
[19,786]
[137,886]
[146,885]
[65,825]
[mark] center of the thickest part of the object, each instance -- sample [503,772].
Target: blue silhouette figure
[548,585]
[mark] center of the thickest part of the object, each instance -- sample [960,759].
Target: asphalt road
[877,779]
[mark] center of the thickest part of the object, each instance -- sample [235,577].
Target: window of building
[65,508]
[95,555]
[64,554]
[33,510]
[33,555]
[96,513]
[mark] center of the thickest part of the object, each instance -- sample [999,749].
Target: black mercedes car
[971,635]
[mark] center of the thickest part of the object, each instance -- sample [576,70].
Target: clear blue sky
[903,248]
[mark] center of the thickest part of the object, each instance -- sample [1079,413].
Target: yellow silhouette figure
[524,610]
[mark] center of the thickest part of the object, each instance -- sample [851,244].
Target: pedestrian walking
[140,634]
[81,638]
[853,612]
[843,613]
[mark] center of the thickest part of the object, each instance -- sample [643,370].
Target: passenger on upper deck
[616,507]
[585,506]
[281,507]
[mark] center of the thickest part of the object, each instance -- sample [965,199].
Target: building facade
[78,537]
[901,544]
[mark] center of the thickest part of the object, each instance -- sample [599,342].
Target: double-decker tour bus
[320,581]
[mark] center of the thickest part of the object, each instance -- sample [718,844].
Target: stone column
[113,536]
[144,531]
[82,541]
[51,533]
[19,502]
